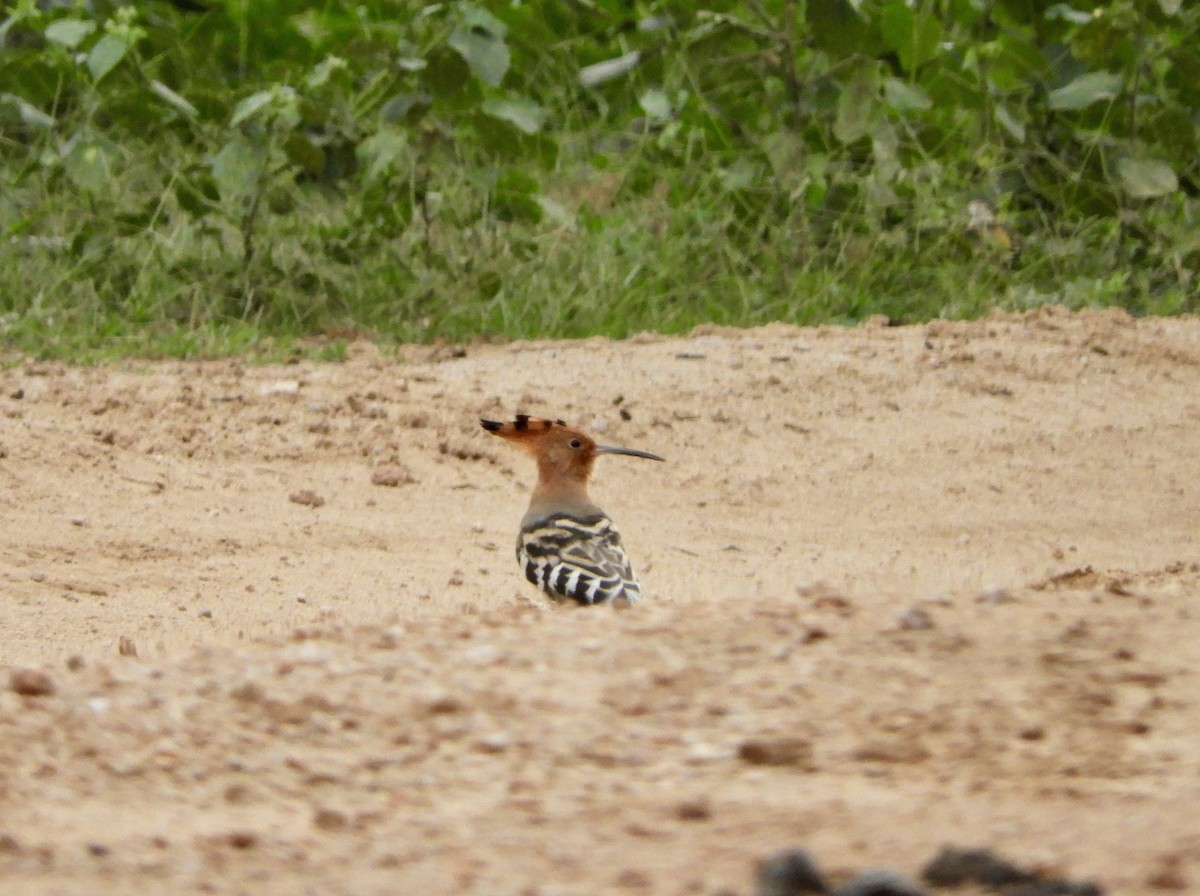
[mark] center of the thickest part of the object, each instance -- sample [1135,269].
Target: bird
[567,545]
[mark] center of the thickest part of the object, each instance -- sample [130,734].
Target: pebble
[243,840]
[880,882]
[793,751]
[789,872]
[329,819]
[1169,875]
[31,683]
[915,619]
[953,867]
[995,596]
[437,702]
[392,476]
[306,497]
[698,809]
[390,638]
[792,872]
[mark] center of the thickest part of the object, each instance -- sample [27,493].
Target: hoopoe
[568,546]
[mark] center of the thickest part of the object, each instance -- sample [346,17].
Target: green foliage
[238,175]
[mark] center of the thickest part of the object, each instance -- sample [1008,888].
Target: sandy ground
[907,587]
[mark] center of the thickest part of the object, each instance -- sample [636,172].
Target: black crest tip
[490,425]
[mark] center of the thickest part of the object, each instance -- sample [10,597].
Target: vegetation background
[208,177]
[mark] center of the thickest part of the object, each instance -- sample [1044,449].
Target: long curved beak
[632,452]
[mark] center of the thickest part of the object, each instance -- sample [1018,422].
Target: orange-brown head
[564,455]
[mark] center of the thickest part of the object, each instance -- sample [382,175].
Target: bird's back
[577,557]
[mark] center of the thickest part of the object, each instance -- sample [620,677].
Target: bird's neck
[558,492]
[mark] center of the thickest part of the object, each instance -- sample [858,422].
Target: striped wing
[577,558]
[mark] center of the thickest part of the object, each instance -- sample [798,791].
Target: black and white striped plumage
[577,558]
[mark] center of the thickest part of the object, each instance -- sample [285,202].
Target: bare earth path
[907,586]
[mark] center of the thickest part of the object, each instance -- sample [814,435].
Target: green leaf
[741,175]
[914,36]
[885,147]
[599,72]
[1146,178]
[449,80]
[1170,7]
[1015,128]
[523,114]
[249,106]
[902,96]
[383,151]
[476,17]
[30,114]
[1015,61]
[398,107]
[324,70]
[1088,88]
[857,104]
[1068,13]
[408,56]
[555,211]
[181,105]
[480,42]
[69,32]
[89,162]
[109,51]
[656,104]
[238,167]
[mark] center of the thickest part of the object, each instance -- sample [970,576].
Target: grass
[679,257]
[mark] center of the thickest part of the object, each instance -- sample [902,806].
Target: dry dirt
[907,586]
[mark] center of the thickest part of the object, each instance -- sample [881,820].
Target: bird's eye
[575,443]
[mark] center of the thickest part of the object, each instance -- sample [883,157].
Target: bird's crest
[523,426]
[552,442]
[563,445]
